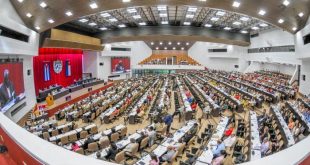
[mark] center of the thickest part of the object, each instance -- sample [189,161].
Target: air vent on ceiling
[9,33]
[120,49]
[217,50]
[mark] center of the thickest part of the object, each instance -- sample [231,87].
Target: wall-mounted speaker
[101,64]
[304,77]
[29,72]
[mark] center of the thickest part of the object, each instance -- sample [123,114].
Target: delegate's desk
[76,131]
[43,94]
[226,95]
[43,116]
[187,105]
[216,108]
[59,128]
[207,155]
[61,93]
[162,148]
[258,100]
[121,144]
[285,130]
[255,140]
[95,137]
[272,96]
[307,105]
[299,115]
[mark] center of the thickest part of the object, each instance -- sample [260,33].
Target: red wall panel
[49,55]
[16,152]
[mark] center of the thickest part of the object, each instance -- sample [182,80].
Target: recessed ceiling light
[152,43]
[173,48]
[92,24]
[294,28]
[105,15]
[236,4]
[162,8]
[192,9]
[93,5]
[126,1]
[189,15]
[142,23]
[103,28]
[43,4]
[20,1]
[301,14]
[163,15]
[164,22]
[37,27]
[286,2]
[29,15]
[202,0]
[227,28]
[121,25]
[262,12]
[236,23]
[187,43]
[83,20]
[51,20]
[214,19]
[208,25]
[69,13]
[157,48]
[165,48]
[136,16]
[263,25]
[220,13]
[169,43]
[131,10]
[280,21]
[244,31]
[178,43]
[255,28]
[187,23]
[182,48]
[113,20]
[244,19]
[160,43]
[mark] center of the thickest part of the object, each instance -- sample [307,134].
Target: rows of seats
[181,59]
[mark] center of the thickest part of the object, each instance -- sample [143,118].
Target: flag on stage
[47,74]
[68,68]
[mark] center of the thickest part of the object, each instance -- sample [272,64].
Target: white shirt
[229,141]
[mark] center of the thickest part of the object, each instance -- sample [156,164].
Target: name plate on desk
[68,98]
[90,89]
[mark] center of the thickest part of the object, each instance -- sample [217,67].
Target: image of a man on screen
[7,91]
[119,67]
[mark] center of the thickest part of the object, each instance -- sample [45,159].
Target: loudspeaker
[29,72]
[304,77]
[101,64]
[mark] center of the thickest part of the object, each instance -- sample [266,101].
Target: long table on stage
[92,83]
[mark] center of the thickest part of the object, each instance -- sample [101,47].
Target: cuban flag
[68,68]
[47,74]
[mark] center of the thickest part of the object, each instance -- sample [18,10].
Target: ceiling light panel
[105,15]
[43,4]
[244,19]
[262,12]
[93,5]
[192,9]
[69,13]
[161,8]
[131,10]
[83,20]
[136,16]
[286,2]
[214,19]
[236,4]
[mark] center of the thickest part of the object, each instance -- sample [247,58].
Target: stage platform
[61,102]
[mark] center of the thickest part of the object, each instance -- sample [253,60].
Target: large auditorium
[154,82]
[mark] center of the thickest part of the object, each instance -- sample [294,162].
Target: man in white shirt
[230,140]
